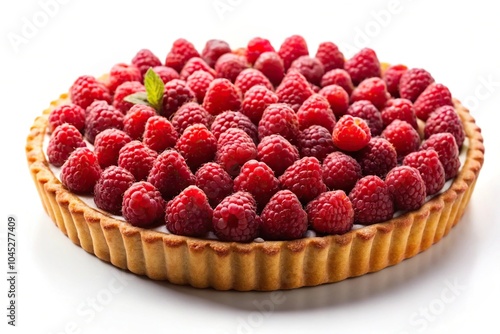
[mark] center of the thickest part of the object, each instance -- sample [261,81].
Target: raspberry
[315,141]
[279,118]
[166,73]
[143,205]
[363,65]
[341,171]
[107,146]
[195,64]
[234,148]
[401,109]
[338,77]
[331,213]
[67,113]
[403,137]
[233,119]
[330,56]
[430,168]
[235,218]
[109,190]
[251,77]
[215,182]
[81,171]
[373,90]
[371,201]
[446,147]
[221,96]
[311,68]
[199,82]
[351,133]
[316,111]
[124,90]
[377,158]
[121,73]
[135,120]
[256,100]
[283,218]
[445,119]
[434,96]
[170,174]
[294,90]
[256,46]
[213,49]
[65,139]
[277,152]
[101,116]
[392,76]
[145,59]
[189,114]
[366,110]
[292,48]
[137,158]
[176,94]
[86,89]
[413,82]
[271,65]
[229,65]
[338,99]
[181,51]
[159,134]
[304,179]
[189,213]
[406,187]
[197,145]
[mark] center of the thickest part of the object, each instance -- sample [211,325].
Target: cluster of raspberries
[258,142]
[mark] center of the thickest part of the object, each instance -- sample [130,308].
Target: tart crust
[269,265]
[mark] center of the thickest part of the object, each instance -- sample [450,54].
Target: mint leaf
[154,89]
[138,98]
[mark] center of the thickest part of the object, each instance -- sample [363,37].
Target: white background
[452,287]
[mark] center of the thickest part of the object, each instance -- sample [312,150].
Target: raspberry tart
[261,168]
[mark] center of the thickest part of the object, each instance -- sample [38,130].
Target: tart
[311,259]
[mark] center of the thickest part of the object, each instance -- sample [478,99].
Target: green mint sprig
[154,92]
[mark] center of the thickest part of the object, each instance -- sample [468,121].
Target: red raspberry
[197,145]
[392,76]
[351,133]
[229,65]
[304,179]
[373,90]
[189,213]
[159,134]
[251,77]
[81,171]
[107,146]
[434,96]
[145,59]
[256,100]
[363,65]
[65,139]
[121,73]
[189,114]
[311,68]
[413,82]
[234,148]
[277,152]
[137,158]
[135,120]
[331,213]
[181,51]
[86,89]
[377,158]
[316,111]
[446,147]
[170,174]
[403,137]
[294,90]
[213,49]
[195,64]
[256,46]
[143,205]
[235,218]
[406,187]
[292,48]
[166,73]
[283,218]
[330,56]
[221,96]
[401,109]
[315,141]
[279,118]
[430,168]
[101,116]
[215,182]
[445,119]
[68,113]
[233,119]
[199,82]
[338,77]
[125,89]
[176,94]
[371,201]
[258,179]
[271,65]
[338,99]
[366,110]
[341,171]
[109,190]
